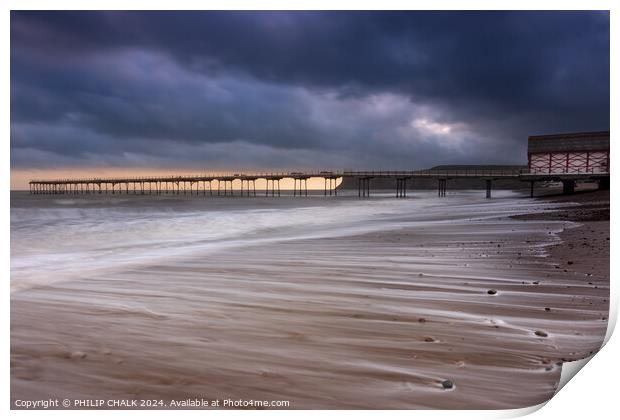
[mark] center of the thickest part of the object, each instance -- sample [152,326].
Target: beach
[453,303]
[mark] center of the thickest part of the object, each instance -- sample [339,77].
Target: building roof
[569,142]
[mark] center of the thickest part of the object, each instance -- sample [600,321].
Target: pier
[222,184]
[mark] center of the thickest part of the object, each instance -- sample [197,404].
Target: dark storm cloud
[375,89]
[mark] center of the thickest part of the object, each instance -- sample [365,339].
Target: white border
[593,394]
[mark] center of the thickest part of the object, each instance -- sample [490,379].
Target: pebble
[547,309]
[422,320]
[569,262]
[429,339]
[447,384]
[492,291]
[541,333]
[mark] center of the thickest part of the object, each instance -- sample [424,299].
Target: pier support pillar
[489,184]
[303,186]
[568,187]
[401,187]
[363,187]
[532,189]
[603,183]
[441,187]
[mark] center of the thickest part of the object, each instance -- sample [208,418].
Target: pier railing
[292,175]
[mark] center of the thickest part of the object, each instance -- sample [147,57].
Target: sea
[63,237]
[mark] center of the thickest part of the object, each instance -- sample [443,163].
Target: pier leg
[531,189]
[603,184]
[568,187]
[442,187]
[488,183]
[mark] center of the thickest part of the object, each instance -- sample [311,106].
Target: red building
[573,153]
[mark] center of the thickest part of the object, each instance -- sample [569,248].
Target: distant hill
[478,167]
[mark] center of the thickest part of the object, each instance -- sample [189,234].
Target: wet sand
[373,321]
[585,246]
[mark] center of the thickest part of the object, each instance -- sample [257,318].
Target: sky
[164,92]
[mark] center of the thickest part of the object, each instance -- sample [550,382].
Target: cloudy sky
[283,90]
